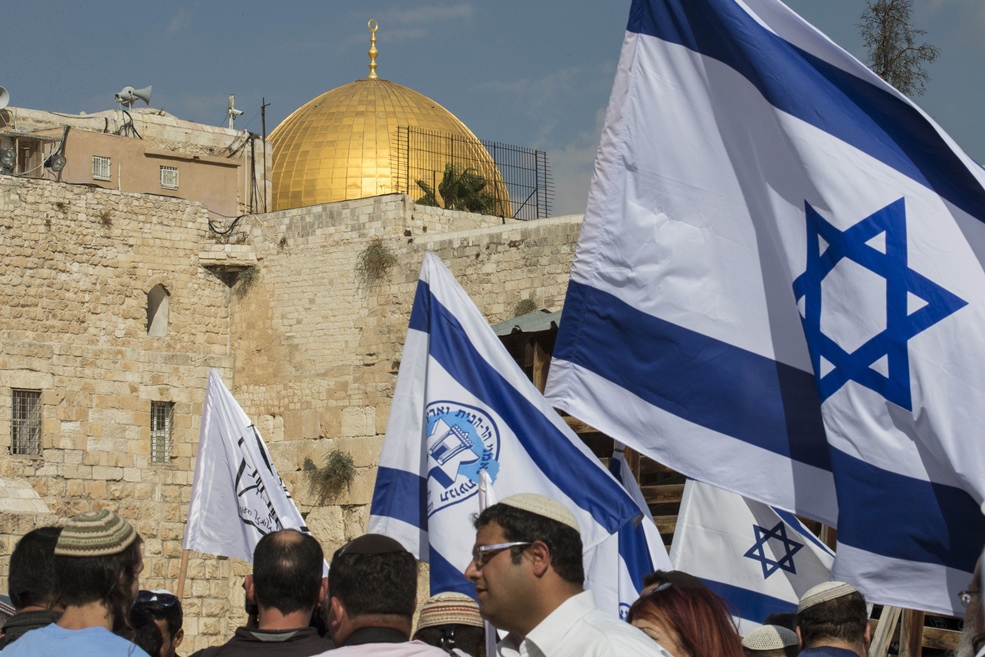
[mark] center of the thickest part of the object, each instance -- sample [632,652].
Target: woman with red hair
[688,621]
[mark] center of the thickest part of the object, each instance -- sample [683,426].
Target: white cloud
[431,13]
[177,21]
[571,167]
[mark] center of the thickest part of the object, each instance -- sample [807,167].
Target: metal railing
[517,181]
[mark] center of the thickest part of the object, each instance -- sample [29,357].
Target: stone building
[116,301]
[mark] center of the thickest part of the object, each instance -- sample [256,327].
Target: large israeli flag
[462,406]
[778,289]
[760,559]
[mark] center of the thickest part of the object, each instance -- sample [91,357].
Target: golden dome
[344,145]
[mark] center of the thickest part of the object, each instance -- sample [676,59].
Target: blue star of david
[758,551]
[901,281]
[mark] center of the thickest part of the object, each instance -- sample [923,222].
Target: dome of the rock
[373,137]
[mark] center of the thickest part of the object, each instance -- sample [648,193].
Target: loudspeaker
[128,95]
[4,97]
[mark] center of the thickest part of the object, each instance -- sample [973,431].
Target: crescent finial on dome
[373,25]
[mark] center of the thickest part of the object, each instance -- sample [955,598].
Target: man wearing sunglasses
[529,580]
[165,608]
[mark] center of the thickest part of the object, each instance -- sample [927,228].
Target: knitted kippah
[95,534]
[449,609]
[823,593]
[542,506]
[770,637]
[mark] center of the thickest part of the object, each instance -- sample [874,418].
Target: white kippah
[823,593]
[542,506]
[770,637]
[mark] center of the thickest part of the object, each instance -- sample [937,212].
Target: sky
[533,73]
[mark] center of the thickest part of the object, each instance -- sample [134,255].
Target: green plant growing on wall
[245,280]
[376,260]
[106,218]
[328,480]
[525,306]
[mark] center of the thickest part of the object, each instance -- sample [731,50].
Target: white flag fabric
[617,566]
[237,495]
[778,289]
[461,407]
[760,559]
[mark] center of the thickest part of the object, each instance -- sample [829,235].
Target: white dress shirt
[578,629]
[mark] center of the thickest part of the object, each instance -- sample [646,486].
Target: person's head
[973,631]
[771,641]
[675,577]
[451,620]
[144,632]
[97,559]
[372,583]
[834,614]
[520,584]
[32,569]
[165,609]
[687,621]
[287,575]
[787,620]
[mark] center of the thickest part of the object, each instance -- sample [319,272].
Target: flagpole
[486,495]
[182,572]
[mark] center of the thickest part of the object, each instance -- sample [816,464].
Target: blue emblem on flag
[913,303]
[462,442]
[790,547]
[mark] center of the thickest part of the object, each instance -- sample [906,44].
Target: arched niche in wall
[158,300]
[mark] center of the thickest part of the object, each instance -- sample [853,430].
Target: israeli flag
[760,559]
[778,289]
[615,569]
[461,407]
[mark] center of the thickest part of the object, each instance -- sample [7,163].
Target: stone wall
[76,265]
[307,343]
[317,354]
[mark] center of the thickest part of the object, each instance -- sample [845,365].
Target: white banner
[237,495]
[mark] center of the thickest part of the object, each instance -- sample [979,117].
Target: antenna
[4,97]
[128,96]
[232,111]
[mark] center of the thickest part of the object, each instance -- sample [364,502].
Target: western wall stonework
[309,345]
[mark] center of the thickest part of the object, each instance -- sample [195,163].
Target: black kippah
[371,544]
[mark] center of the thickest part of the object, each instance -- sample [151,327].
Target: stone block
[358,421]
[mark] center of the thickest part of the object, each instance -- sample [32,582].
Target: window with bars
[25,425]
[101,167]
[169,178]
[161,414]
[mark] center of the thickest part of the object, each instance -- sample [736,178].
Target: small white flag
[759,559]
[237,495]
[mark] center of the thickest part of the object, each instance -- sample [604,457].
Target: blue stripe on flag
[714,384]
[635,552]
[799,527]
[445,577]
[553,452]
[798,83]
[906,518]
[402,495]
[750,605]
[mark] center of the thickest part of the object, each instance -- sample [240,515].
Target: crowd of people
[75,591]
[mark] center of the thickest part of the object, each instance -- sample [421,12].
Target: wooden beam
[940,639]
[665,524]
[578,426]
[663,493]
[542,363]
[911,633]
[884,632]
